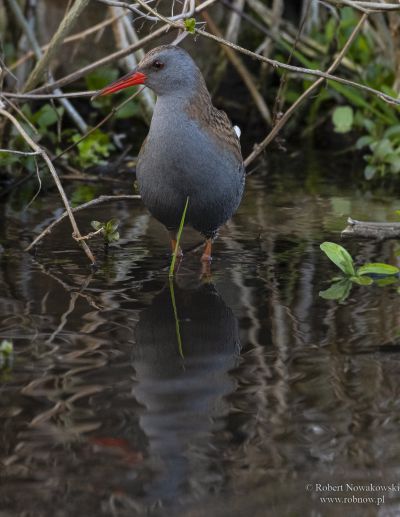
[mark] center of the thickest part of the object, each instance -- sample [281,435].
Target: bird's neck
[192,102]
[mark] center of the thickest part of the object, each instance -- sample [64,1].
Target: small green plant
[190,25]
[93,149]
[363,275]
[109,230]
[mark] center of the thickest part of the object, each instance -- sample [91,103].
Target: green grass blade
[177,325]
[178,239]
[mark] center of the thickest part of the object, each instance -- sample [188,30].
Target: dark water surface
[262,392]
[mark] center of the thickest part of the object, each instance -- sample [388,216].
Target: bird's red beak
[124,82]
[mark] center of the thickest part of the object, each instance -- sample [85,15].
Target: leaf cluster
[366,274]
[109,230]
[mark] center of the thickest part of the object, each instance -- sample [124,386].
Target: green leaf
[339,256]
[190,25]
[6,347]
[369,172]
[97,225]
[362,280]
[357,99]
[363,141]
[47,116]
[392,131]
[377,268]
[338,290]
[112,225]
[394,161]
[386,280]
[95,146]
[382,148]
[342,119]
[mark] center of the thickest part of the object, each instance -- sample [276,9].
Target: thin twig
[282,121]
[366,7]
[23,153]
[35,96]
[97,201]
[42,152]
[90,235]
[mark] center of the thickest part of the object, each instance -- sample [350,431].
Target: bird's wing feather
[223,129]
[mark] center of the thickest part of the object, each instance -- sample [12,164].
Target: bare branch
[371,230]
[23,153]
[366,7]
[35,96]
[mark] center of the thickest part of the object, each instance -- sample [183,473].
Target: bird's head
[167,69]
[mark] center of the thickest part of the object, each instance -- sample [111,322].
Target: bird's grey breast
[182,158]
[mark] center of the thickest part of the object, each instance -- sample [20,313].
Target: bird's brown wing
[223,130]
[213,120]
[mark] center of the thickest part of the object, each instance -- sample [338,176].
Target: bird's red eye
[158,65]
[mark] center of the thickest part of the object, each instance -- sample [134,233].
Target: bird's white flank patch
[237,131]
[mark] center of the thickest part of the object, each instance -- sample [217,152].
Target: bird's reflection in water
[182,358]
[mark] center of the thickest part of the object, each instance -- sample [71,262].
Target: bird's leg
[173,238]
[206,261]
[206,257]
